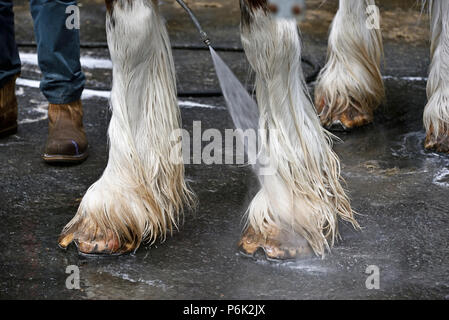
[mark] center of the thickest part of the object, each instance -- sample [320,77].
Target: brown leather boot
[8,108]
[67,142]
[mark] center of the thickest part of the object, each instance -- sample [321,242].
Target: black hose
[203,34]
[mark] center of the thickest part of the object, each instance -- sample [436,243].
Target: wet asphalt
[399,190]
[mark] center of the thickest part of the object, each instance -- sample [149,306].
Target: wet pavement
[399,190]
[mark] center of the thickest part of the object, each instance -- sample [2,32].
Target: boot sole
[64,158]
[8,131]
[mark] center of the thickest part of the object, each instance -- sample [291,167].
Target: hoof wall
[353,117]
[254,244]
[97,246]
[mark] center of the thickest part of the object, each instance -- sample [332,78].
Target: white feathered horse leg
[436,113]
[350,86]
[300,201]
[141,192]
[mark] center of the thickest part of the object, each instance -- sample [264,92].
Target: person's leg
[142,190]
[436,113]
[9,70]
[58,51]
[63,81]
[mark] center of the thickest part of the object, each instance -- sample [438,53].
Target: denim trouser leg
[9,55]
[58,51]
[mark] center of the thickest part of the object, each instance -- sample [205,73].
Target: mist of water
[242,107]
[245,115]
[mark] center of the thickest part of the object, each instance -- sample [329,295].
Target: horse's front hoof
[273,248]
[95,243]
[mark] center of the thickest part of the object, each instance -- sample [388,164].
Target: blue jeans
[58,49]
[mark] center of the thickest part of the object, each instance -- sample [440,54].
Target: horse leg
[296,210]
[436,113]
[350,86]
[141,192]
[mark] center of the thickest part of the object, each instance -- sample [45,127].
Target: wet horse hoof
[96,244]
[274,249]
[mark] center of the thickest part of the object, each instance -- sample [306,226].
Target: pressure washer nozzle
[203,34]
[205,38]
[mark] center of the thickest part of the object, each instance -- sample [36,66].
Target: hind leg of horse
[350,86]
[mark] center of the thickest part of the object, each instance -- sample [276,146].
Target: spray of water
[241,106]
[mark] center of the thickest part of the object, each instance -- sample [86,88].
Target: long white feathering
[304,194]
[141,193]
[436,113]
[351,76]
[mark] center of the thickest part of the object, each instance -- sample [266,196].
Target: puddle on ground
[442,178]
[127,277]
[410,147]
[312,265]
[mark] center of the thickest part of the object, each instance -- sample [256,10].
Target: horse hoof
[352,117]
[273,248]
[95,243]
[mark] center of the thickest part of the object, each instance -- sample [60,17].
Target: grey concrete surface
[399,190]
